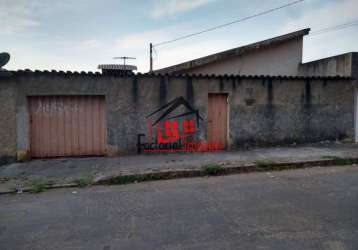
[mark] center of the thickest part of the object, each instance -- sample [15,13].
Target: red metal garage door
[67,126]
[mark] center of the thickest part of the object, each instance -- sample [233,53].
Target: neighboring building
[342,65]
[280,55]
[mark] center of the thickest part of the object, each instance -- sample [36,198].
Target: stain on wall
[307,95]
[233,82]
[190,90]
[221,85]
[163,91]
[8,99]
[270,108]
[135,89]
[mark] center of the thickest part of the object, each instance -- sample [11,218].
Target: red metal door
[67,126]
[217,119]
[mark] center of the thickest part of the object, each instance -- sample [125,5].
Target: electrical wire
[334,28]
[229,23]
[155,52]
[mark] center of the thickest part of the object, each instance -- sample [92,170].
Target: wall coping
[31,73]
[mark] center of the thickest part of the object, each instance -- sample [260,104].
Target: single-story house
[56,113]
[280,55]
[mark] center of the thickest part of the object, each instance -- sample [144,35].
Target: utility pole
[151,57]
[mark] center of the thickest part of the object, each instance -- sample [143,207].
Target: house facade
[51,114]
[257,95]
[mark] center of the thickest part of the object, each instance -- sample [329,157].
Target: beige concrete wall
[282,59]
[337,65]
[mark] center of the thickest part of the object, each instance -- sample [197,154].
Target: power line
[229,23]
[155,52]
[334,28]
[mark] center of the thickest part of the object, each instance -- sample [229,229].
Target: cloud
[327,15]
[319,17]
[170,7]
[23,15]
[88,44]
[16,16]
[137,45]
[86,51]
[142,39]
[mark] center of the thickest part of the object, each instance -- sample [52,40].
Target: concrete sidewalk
[80,171]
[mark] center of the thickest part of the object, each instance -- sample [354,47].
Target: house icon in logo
[170,107]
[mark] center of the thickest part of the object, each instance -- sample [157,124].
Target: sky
[77,35]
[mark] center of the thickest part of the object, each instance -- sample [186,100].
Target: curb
[237,169]
[188,173]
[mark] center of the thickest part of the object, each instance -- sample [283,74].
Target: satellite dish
[4,59]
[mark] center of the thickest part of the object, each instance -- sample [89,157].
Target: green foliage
[84,182]
[338,160]
[126,179]
[212,169]
[38,186]
[264,164]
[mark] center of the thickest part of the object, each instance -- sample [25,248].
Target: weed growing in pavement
[84,182]
[126,179]
[212,169]
[338,160]
[38,186]
[264,164]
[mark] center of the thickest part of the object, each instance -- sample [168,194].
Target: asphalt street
[313,208]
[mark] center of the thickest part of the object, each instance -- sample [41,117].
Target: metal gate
[217,119]
[67,126]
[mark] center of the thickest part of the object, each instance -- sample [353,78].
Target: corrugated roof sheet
[155,74]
